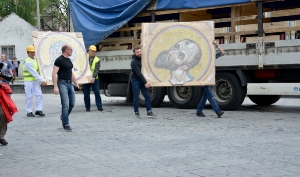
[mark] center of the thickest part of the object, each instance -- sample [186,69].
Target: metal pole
[260,17]
[38,14]
[153,16]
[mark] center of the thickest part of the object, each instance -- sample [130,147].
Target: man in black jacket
[139,83]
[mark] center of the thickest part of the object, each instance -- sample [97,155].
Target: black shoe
[39,113]
[30,114]
[200,114]
[67,128]
[3,142]
[150,114]
[220,114]
[137,115]
[100,109]
[87,110]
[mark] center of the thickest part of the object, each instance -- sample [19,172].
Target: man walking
[32,83]
[139,83]
[208,92]
[94,63]
[63,84]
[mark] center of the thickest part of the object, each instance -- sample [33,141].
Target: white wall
[16,31]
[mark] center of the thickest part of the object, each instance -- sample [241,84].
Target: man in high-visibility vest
[32,83]
[94,63]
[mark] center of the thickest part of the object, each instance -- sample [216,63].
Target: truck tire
[184,97]
[117,89]
[157,95]
[229,92]
[264,99]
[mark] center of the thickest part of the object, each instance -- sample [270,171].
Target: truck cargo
[259,37]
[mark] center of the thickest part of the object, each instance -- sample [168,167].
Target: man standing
[139,83]
[94,63]
[8,67]
[32,83]
[63,84]
[208,92]
[16,63]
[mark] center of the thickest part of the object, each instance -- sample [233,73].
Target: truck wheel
[229,92]
[264,99]
[184,97]
[157,95]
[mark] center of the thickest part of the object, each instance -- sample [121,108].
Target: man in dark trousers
[94,63]
[208,92]
[139,83]
[16,63]
[63,84]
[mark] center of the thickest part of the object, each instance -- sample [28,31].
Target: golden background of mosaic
[166,39]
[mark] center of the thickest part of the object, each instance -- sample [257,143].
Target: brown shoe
[3,142]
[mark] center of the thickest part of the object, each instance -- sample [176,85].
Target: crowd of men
[64,81]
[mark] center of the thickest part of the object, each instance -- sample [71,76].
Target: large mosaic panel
[178,53]
[48,48]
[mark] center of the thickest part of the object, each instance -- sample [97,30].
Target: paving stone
[250,141]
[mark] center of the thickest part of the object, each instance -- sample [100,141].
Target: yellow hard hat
[30,48]
[93,48]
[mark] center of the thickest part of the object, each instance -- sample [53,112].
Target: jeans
[86,93]
[138,86]
[208,93]
[67,98]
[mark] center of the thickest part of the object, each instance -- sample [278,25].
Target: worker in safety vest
[32,83]
[94,63]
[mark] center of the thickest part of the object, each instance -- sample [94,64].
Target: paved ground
[251,141]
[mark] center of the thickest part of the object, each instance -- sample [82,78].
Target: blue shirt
[7,67]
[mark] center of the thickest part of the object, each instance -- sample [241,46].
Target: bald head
[66,50]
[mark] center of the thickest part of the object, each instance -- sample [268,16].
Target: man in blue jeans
[94,63]
[139,83]
[63,84]
[208,92]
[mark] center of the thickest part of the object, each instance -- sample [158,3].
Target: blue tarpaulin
[97,19]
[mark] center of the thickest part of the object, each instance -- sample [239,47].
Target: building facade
[15,36]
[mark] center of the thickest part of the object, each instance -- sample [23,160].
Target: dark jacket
[136,74]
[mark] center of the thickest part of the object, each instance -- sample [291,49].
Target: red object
[8,106]
[265,74]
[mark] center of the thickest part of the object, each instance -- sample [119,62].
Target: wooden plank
[221,20]
[285,29]
[109,48]
[119,40]
[266,38]
[281,13]
[130,29]
[235,33]
[251,27]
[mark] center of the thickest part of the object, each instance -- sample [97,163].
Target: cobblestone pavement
[251,141]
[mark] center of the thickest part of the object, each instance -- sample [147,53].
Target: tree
[55,17]
[26,9]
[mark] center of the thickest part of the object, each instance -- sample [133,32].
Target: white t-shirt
[16,64]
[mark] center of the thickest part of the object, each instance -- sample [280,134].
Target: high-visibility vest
[27,76]
[96,60]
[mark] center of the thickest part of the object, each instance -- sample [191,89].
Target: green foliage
[26,9]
